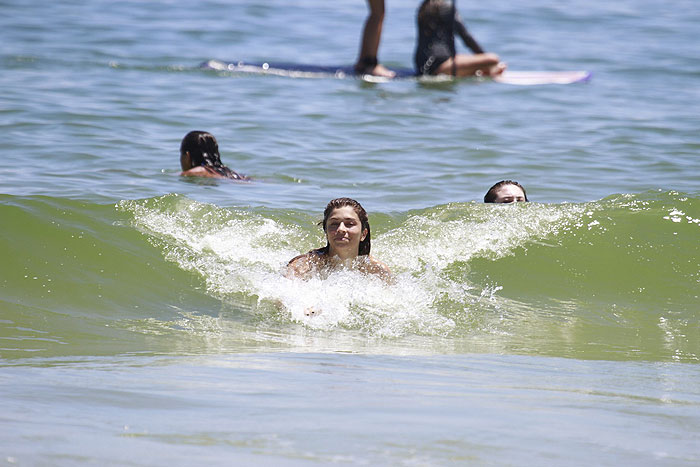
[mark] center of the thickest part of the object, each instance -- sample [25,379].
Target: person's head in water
[506,191]
[200,149]
[329,214]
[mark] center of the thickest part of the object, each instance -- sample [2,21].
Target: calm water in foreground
[143,317]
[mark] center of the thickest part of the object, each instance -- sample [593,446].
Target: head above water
[334,204]
[506,191]
[199,156]
[202,149]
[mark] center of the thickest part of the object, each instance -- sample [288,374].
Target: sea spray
[244,253]
[570,276]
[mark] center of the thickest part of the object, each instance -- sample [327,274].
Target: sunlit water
[144,319]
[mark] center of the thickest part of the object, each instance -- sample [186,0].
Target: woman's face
[344,232]
[509,194]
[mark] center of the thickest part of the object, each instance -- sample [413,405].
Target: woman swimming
[346,226]
[199,157]
[438,22]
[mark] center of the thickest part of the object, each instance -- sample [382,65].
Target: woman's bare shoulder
[303,265]
[200,171]
[376,267]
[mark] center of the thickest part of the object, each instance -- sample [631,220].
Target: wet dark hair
[429,11]
[334,204]
[204,151]
[490,196]
[430,16]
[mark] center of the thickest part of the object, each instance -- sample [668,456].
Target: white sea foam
[242,252]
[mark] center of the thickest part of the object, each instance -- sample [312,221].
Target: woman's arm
[299,267]
[467,38]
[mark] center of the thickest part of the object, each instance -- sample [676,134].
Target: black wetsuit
[436,41]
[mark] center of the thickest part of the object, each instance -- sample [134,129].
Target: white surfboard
[300,70]
[530,78]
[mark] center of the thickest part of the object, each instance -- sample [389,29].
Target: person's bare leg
[371,35]
[486,64]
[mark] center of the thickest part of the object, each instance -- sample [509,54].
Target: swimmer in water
[199,157]
[435,54]
[506,191]
[347,232]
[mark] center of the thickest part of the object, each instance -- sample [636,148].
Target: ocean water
[144,319]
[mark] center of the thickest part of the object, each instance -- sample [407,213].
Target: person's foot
[384,72]
[498,69]
[376,70]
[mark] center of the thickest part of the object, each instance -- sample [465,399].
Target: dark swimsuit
[225,172]
[436,41]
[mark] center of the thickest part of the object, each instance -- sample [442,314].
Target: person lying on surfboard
[438,22]
[346,226]
[199,157]
[506,191]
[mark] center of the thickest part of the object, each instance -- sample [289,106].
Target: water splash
[239,252]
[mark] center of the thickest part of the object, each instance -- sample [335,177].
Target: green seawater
[144,317]
[611,279]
